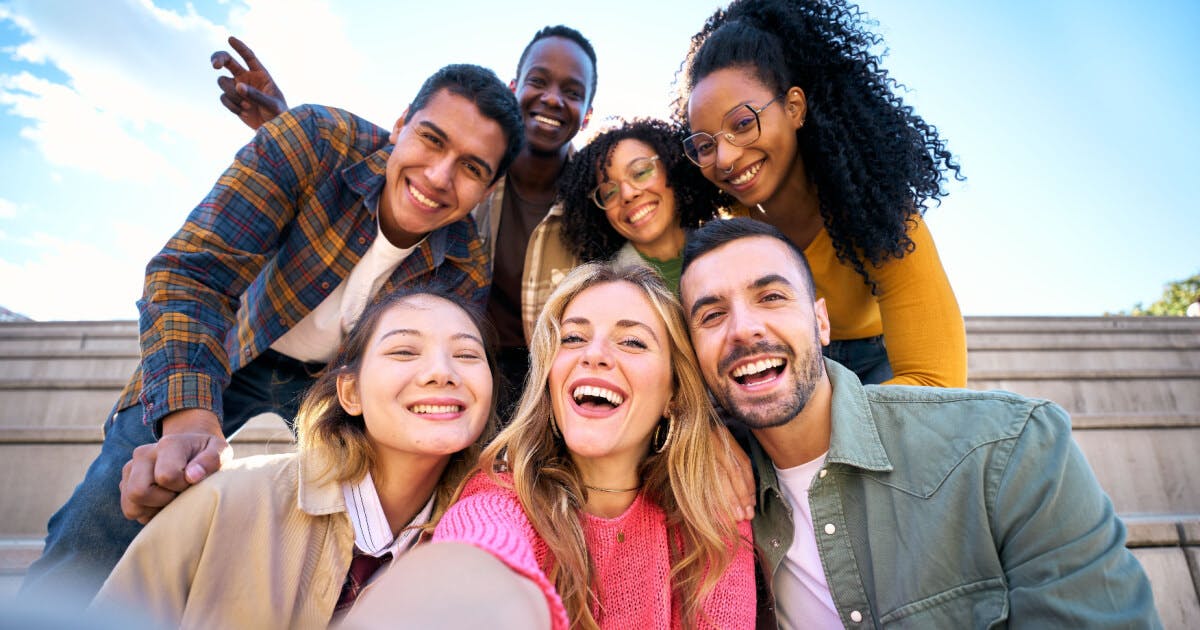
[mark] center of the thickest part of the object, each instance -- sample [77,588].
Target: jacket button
[824,472]
[775,543]
[829,528]
[855,616]
[362,239]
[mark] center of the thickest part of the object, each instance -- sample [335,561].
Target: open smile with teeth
[758,371]
[590,395]
[746,175]
[432,409]
[642,212]
[547,121]
[422,199]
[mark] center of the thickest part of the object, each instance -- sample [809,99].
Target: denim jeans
[866,357]
[89,532]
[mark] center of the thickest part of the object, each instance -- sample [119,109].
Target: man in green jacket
[896,506]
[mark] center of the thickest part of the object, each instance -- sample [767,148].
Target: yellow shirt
[915,311]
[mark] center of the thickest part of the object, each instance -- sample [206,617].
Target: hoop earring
[662,445]
[554,428]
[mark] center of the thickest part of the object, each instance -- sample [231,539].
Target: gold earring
[658,431]
[554,428]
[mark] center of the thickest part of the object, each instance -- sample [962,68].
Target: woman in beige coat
[385,436]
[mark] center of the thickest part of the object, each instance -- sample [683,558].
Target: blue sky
[1075,123]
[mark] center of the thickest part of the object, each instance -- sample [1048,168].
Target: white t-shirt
[802,597]
[316,338]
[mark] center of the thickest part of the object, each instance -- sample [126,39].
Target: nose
[439,370]
[551,96]
[629,192]
[727,154]
[745,327]
[596,354]
[441,172]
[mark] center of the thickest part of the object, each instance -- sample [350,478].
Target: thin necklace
[612,490]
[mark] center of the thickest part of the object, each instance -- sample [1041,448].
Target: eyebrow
[441,133]
[765,281]
[416,333]
[624,323]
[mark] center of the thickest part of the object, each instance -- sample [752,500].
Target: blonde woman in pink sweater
[600,492]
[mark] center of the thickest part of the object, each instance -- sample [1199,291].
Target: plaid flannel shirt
[282,227]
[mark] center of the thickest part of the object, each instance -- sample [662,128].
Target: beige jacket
[260,544]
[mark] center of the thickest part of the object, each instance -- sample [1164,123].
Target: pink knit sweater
[629,552]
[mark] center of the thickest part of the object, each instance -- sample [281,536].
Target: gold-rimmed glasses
[739,127]
[639,173]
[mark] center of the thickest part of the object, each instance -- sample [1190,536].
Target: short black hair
[585,228]
[565,32]
[714,234]
[493,98]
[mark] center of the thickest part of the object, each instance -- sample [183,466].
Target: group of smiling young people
[555,443]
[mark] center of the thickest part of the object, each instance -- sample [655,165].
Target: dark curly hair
[586,229]
[874,162]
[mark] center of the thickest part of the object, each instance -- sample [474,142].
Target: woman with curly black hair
[647,193]
[792,114]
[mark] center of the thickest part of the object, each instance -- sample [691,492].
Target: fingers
[248,55]
[207,461]
[222,59]
[172,457]
[141,498]
[257,97]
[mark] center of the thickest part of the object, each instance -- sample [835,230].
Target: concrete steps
[1132,386]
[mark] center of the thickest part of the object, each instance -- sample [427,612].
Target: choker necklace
[613,490]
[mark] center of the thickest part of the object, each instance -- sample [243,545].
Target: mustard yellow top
[915,311]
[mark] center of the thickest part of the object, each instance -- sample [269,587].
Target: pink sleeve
[491,518]
[732,603]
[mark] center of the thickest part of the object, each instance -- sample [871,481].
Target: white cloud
[71,281]
[8,209]
[71,133]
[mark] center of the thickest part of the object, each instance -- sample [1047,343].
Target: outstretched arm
[248,91]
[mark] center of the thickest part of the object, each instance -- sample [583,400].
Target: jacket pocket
[982,604]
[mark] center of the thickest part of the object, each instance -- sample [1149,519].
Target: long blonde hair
[550,487]
[340,439]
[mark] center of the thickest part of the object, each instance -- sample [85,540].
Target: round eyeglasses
[639,173]
[740,127]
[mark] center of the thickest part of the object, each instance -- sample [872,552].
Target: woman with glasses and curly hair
[386,435]
[793,116]
[631,194]
[599,493]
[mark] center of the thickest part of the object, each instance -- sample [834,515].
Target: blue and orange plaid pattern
[282,227]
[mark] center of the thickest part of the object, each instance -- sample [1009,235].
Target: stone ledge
[1161,530]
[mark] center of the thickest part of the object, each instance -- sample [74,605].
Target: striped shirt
[282,228]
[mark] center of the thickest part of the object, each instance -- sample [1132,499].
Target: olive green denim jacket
[949,508]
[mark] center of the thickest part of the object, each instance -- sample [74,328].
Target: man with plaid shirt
[320,213]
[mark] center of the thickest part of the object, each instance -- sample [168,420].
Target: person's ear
[347,391]
[512,85]
[796,106]
[822,316]
[399,125]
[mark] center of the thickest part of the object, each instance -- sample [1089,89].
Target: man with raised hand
[316,216]
[554,85]
[896,506]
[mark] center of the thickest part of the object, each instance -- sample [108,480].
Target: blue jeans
[89,532]
[865,357]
